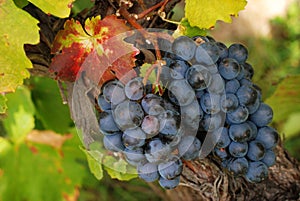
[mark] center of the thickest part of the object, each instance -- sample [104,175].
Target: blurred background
[41,159]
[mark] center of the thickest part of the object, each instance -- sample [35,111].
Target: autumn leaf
[98,49]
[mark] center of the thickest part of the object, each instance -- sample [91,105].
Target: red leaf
[100,50]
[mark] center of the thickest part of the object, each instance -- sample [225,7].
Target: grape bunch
[209,107]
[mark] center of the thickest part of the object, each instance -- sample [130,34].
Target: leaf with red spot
[98,49]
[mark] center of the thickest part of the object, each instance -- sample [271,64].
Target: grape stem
[150,37]
[146,12]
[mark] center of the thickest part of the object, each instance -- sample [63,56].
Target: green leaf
[21,3]
[186,29]
[204,14]
[17,28]
[4,146]
[80,5]
[50,110]
[143,72]
[20,115]
[59,8]
[94,159]
[39,172]
[292,127]
[286,98]
[3,105]
[119,169]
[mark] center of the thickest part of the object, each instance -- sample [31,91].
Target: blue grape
[238,116]
[107,123]
[199,93]
[240,132]
[222,136]
[221,153]
[238,149]
[217,85]
[256,151]
[184,47]
[207,53]
[252,108]
[156,151]
[268,136]
[238,166]
[263,115]
[198,77]
[238,52]
[257,172]
[153,104]
[134,89]
[232,86]
[113,142]
[253,132]
[248,71]
[103,104]
[269,159]
[245,81]
[182,91]
[169,123]
[148,171]
[134,156]
[223,50]
[113,92]
[133,137]
[241,74]
[191,115]
[128,114]
[210,103]
[189,147]
[169,184]
[247,95]
[178,69]
[229,102]
[150,125]
[229,68]
[171,168]
[212,122]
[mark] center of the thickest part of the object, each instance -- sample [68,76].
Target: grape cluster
[208,95]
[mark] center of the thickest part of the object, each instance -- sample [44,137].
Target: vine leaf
[59,8]
[99,49]
[20,115]
[286,98]
[17,28]
[204,14]
[3,106]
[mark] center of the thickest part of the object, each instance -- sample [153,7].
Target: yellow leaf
[204,14]
[17,29]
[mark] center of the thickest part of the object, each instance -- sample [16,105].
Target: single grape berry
[238,52]
[171,168]
[238,166]
[238,149]
[184,47]
[169,184]
[256,151]
[189,147]
[257,172]
[229,68]
[268,136]
[148,172]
